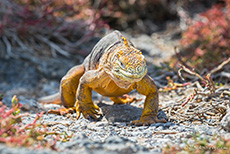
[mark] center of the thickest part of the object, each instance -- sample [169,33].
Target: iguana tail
[51,99]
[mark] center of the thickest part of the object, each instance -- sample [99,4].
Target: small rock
[122,145]
[168,124]
[30,105]
[225,122]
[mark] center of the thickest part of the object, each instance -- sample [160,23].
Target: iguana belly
[110,89]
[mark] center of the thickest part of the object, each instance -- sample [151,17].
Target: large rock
[225,122]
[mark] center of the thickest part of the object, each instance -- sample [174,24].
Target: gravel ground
[113,133]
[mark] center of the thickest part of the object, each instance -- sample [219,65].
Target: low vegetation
[14,132]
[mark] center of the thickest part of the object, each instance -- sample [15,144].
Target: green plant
[14,132]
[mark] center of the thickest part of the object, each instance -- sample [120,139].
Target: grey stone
[161,115]
[122,145]
[225,122]
[121,113]
[30,105]
[168,124]
[125,113]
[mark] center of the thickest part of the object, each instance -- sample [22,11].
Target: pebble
[119,137]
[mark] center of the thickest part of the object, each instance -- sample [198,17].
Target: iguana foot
[146,121]
[89,110]
[62,111]
[124,99]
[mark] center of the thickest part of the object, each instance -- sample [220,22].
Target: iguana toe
[62,111]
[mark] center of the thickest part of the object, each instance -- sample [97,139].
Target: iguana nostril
[138,68]
[130,69]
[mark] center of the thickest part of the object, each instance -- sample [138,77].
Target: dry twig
[207,104]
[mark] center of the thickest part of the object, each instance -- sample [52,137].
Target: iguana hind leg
[124,99]
[69,85]
[68,88]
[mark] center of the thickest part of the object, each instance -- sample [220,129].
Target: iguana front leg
[84,103]
[149,115]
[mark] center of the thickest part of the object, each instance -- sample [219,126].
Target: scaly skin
[112,69]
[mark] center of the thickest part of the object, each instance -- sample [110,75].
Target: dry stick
[208,82]
[12,32]
[190,72]
[225,74]
[202,111]
[171,105]
[165,132]
[219,67]
[179,56]
[225,93]
[53,45]
[199,113]
[22,46]
[8,46]
[212,92]
[198,106]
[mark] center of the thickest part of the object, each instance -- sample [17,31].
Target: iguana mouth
[124,79]
[130,76]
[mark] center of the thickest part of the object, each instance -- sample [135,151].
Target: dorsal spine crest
[125,42]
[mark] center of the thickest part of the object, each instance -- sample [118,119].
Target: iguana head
[127,65]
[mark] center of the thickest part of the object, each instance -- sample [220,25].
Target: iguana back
[106,44]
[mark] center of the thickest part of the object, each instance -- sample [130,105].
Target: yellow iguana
[113,68]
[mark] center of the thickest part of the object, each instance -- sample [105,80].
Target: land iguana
[113,68]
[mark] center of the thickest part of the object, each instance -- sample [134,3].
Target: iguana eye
[121,64]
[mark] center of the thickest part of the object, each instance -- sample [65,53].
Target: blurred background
[41,39]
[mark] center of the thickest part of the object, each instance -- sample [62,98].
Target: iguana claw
[88,110]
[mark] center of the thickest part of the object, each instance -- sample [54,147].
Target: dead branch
[207,102]
[44,29]
[219,67]
[53,45]
[184,68]
[8,46]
